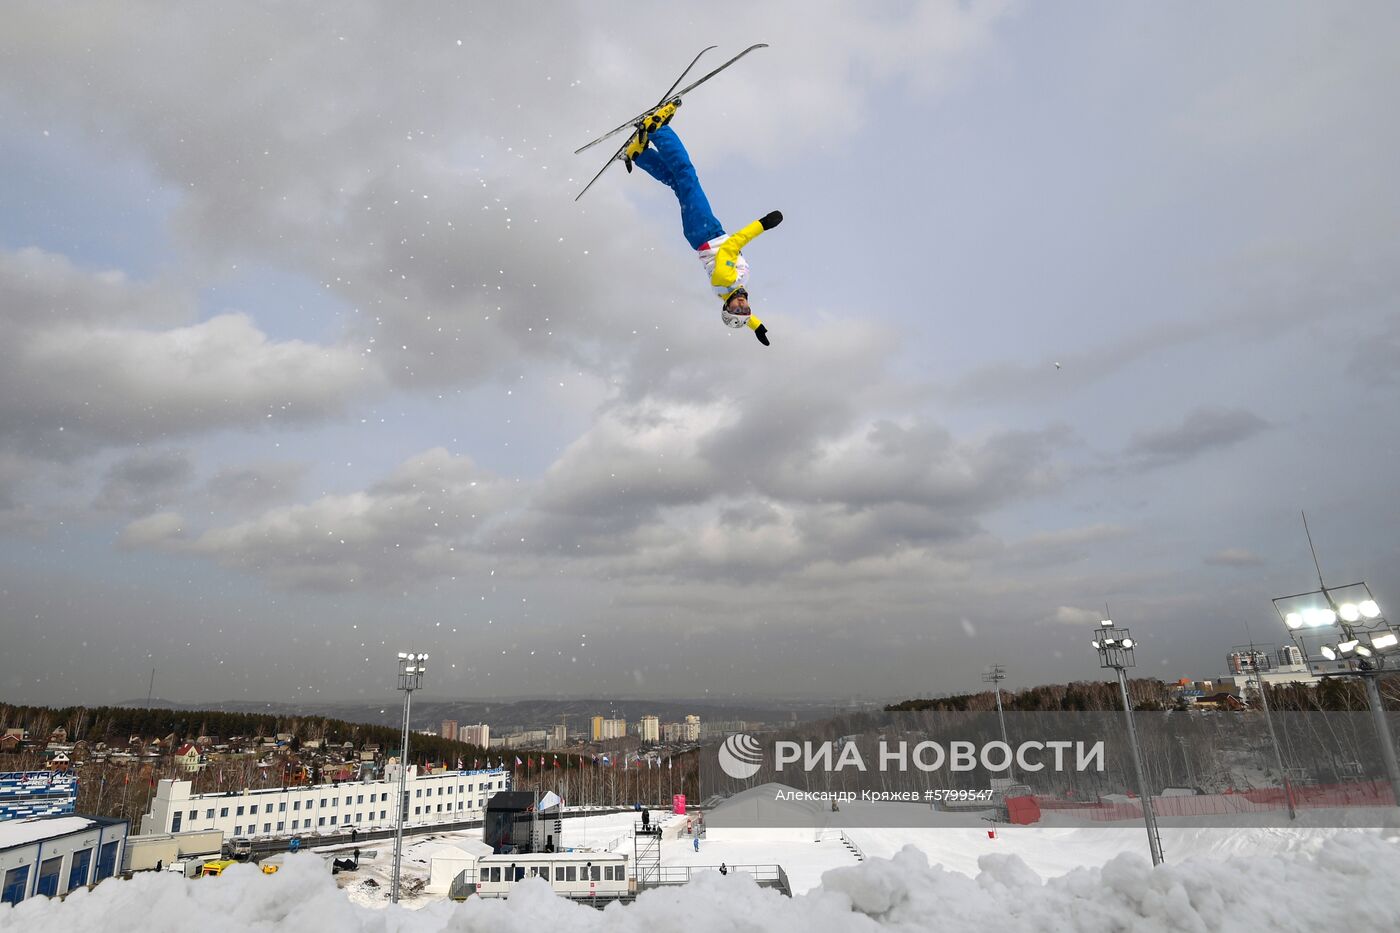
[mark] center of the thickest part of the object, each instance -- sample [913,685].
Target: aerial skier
[658,151]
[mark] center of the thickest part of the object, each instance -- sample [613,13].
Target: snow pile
[1348,884]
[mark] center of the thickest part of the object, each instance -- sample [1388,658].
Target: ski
[670,96]
[699,81]
[660,103]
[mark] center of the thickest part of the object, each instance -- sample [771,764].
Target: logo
[740,756]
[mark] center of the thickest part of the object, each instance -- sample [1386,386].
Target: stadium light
[1353,610]
[411,671]
[1115,650]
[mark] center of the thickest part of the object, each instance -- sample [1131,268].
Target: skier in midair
[657,149]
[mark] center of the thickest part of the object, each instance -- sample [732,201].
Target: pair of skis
[671,96]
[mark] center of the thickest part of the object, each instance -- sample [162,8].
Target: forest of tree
[115,725]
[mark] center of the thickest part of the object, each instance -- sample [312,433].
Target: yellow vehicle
[216,868]
[269,869]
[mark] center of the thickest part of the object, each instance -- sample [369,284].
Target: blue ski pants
[667,161]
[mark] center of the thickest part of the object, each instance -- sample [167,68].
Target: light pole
[994,677]
[1367,648]
[1251,659]
[411,670]
[1115,647]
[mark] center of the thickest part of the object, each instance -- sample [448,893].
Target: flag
[668,764]
[476,763]
[460,762]
[518,762]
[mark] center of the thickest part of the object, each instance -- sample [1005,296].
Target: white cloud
[1071,615]
[91,358]
[160,530]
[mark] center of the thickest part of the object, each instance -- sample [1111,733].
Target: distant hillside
[514,715]
[116,724]
[1148,694]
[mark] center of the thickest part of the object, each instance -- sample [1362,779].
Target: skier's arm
[725,273]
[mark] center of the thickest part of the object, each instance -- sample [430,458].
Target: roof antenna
[1314,552]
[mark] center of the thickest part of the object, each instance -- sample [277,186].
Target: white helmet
[739,317]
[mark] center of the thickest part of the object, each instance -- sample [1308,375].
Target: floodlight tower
[1252,659]
[994,677]
[1367,648]
[1115,647]
[411,669]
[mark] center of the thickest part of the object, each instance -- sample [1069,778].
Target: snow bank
[1348,884]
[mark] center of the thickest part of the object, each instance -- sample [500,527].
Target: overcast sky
[309,355]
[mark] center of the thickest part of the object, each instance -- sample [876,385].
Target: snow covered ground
[951,879]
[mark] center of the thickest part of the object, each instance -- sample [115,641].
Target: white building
[692,728]
[442,797]
[614,728]
[530,738]
[651,729]
[479,734]
[52,855]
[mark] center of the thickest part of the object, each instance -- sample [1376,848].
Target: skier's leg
[651,162]
[697,219]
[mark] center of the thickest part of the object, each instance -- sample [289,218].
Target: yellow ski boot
[659,118]
[649,124]
[635,147]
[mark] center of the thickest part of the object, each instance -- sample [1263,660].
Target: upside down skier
[657,149]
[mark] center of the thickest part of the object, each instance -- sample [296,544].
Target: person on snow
[657,149]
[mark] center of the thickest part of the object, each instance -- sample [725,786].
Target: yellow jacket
[728,270]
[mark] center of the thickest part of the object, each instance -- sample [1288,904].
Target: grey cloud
[1234,557]
[443,217]
[630,499]
[1202,430]
[255,485]
[83,365]
[1374,359]
[1059,548]
[163,530]
[428,519]
[145,481]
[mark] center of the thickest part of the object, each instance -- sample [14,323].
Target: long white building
[441,797]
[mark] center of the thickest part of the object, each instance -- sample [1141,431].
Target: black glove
[761,332]
[771,219]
